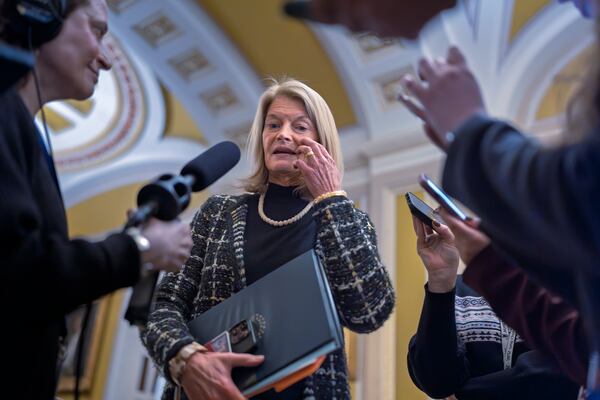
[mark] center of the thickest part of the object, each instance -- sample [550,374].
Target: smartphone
[419,209]
[441,197]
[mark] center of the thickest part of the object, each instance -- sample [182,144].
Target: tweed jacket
[346,245]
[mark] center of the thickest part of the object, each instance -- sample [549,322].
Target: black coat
[44,275]
[540,205]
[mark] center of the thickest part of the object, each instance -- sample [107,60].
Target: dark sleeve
[42,271]
[537,203]
[532,377]
[436,363]
[347,246]
[543,320]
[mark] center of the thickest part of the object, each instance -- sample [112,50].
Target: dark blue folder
[298,316]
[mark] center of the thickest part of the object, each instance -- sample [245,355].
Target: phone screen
[441,197]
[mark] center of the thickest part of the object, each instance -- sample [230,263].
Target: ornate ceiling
[188,74]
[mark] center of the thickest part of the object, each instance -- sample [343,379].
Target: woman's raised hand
[439,254]
[317,167]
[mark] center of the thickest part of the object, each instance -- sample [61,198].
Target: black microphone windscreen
[212,164]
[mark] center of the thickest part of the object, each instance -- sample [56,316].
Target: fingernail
[435,223]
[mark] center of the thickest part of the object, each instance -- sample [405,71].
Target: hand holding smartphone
[442,198]
[422,211]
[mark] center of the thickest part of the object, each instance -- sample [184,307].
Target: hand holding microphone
[163,242]
[170,244]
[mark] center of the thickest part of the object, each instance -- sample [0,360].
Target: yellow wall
[409,292]
[523,12]
[106,212]
[564,85]
[179,123]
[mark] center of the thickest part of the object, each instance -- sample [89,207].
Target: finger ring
[309,154]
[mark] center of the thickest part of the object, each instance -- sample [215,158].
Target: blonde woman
[294,203]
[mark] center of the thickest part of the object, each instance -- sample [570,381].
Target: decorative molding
[196,75]
[157,29]
[118,6]
[190,64]
[391,87]
[219,99]
[370,43]
[106,126]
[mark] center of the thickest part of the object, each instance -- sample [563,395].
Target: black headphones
[31,23]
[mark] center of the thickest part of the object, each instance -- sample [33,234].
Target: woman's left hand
[318,168]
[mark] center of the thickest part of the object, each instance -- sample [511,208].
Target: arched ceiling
[275,46]
[197,68]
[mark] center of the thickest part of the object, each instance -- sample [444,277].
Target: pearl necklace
[261,213]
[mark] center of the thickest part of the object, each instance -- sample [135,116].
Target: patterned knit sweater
[347,248]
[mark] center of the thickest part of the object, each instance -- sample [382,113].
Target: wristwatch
[177,363]
[141,241]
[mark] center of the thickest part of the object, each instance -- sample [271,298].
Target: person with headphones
[44,274]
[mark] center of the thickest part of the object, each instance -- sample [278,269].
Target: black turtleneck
[267,247]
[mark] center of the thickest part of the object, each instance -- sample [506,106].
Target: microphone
[168,195]
[165,198]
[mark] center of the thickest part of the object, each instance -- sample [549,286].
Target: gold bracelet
[330,194]
[177,363]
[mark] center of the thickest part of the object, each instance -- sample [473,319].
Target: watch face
[143,243]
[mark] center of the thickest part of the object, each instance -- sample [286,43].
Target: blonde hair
[319,113]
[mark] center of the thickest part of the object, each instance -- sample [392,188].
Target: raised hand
[439,255]
[317,167]
[447,95]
